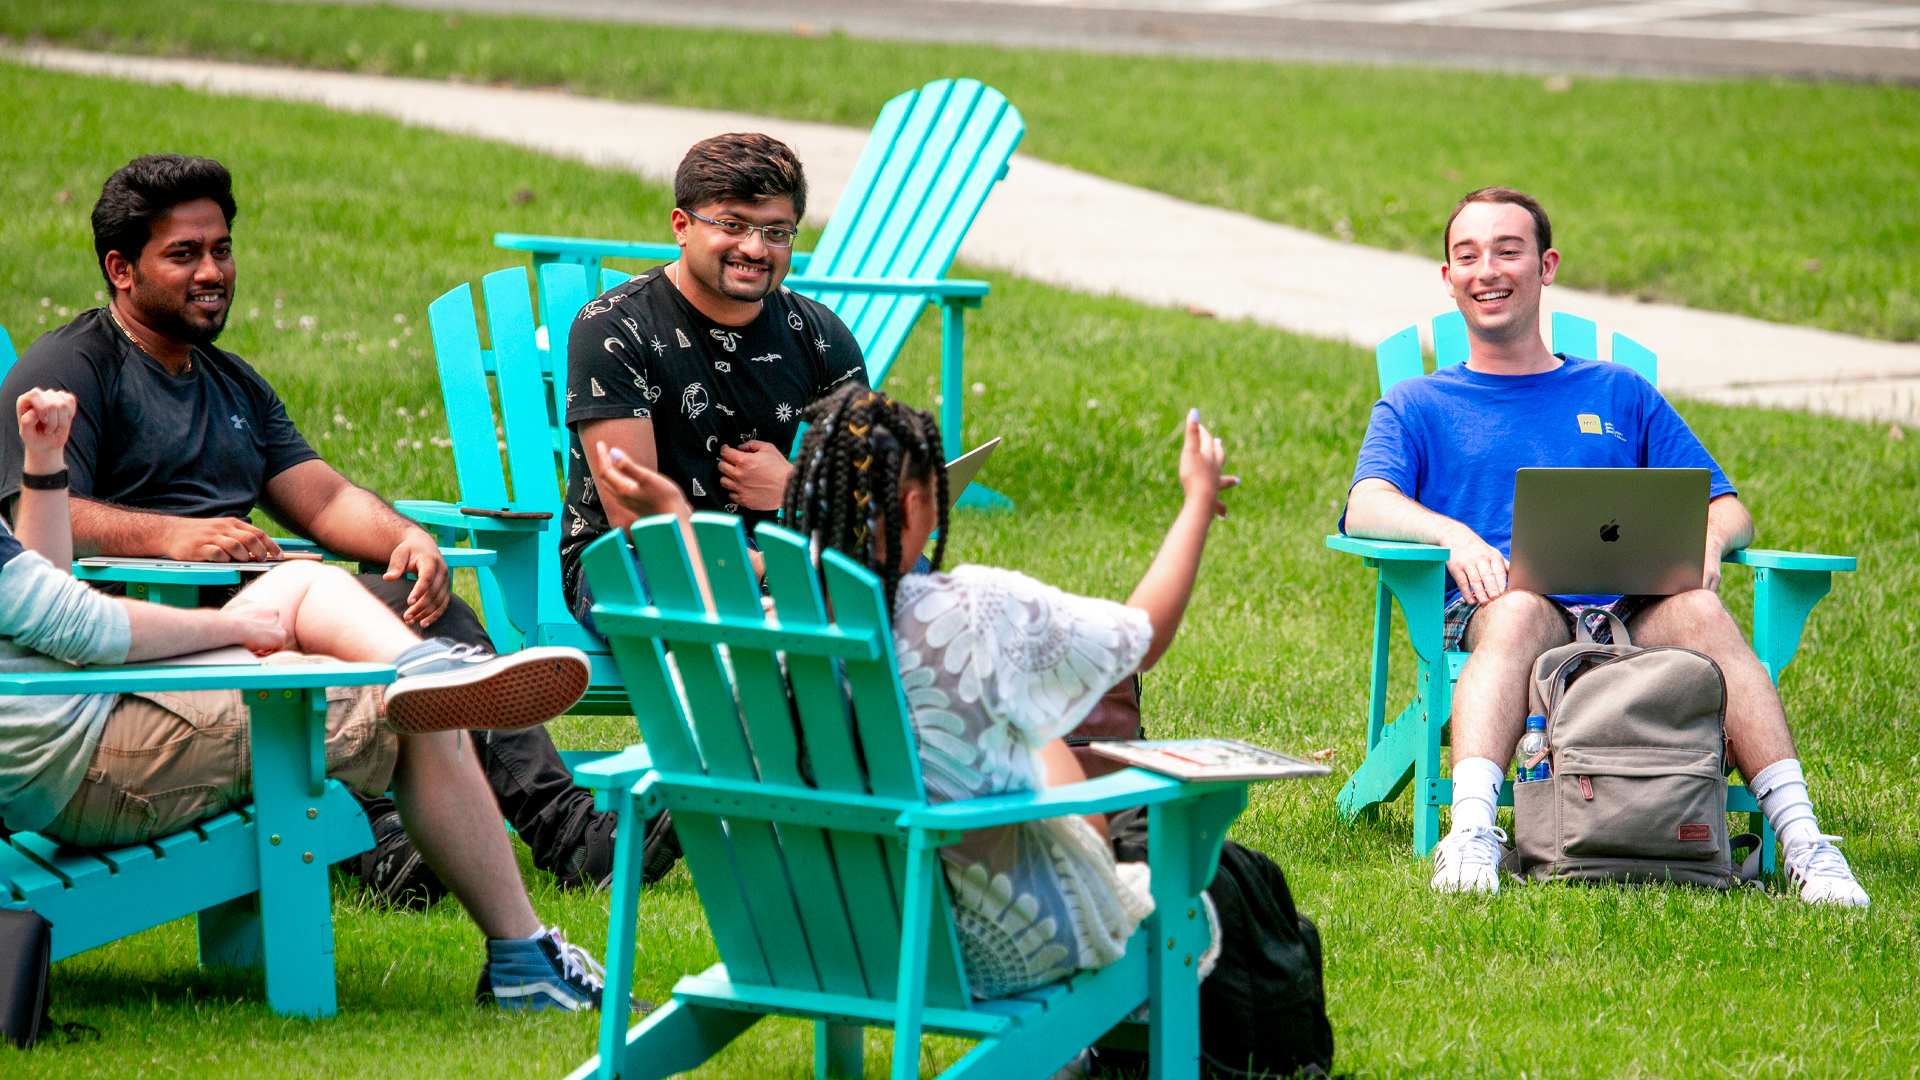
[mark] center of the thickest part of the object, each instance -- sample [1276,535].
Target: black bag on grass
[1263,1010]
[26,950]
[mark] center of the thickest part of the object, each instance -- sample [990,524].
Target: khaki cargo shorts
[167,760]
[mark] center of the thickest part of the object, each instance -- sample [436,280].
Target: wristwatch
[53,481]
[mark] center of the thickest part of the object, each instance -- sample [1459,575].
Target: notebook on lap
[1609,531]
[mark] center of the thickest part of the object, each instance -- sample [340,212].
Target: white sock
[1782,790]
[538,934]
[1476,792]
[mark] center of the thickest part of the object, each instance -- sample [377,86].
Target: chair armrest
[929,288]
[157,574]
[1116,791]
[295,543]
[576,245]
[131,677]
[448,515]
[616,771]
[1389,550]
[1790,560]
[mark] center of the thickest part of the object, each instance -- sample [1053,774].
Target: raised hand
[643,492]
[1201,457]
[46,419]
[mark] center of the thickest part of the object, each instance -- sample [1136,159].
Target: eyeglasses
[774,235]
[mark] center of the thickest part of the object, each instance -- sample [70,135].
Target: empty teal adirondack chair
[1406,751]
[824,892]
[933,156]
[256,877]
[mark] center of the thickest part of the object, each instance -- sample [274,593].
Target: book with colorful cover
[1210,759]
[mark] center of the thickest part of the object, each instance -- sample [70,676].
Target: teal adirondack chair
[520,595]
[521,598]
[256,877]
[933,156]
[824,891]
[7,355]
[1786,586]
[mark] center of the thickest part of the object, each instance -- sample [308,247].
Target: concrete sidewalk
[1169,252]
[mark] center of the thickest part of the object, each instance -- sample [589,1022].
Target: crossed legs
[443,797]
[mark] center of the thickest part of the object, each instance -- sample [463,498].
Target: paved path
[1175,253]
[1852,39]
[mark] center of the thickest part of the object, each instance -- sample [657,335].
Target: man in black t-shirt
[701,368]
[176,442]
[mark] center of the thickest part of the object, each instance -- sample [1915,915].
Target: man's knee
[1695,615]
[1518,619]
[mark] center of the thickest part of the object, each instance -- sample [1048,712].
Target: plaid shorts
[1460,613]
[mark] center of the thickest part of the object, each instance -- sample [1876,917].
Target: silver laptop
[1587,531]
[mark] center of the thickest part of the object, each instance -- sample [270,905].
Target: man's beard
[744,293]
[169,317]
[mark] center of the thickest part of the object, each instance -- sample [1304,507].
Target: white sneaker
[1821,872]
[1468,860]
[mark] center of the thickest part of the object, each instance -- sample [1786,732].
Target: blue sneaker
[546,972]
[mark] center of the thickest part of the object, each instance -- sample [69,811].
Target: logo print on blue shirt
[239,423]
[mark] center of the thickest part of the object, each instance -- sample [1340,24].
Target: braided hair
[845,492]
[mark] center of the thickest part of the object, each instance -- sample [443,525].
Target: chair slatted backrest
[525,423]
[792,906]
[1398,357]
[934,155]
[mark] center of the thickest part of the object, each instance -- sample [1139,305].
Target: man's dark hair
[740,167]
[845,494]
[1542,228]
[143,190]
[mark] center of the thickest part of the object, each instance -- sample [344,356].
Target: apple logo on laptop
[1610,532]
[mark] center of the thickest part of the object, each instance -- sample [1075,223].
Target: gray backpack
[1637,738]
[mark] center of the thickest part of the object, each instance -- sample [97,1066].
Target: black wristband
[54,481]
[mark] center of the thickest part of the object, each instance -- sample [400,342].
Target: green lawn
[1788,201]
[352,220]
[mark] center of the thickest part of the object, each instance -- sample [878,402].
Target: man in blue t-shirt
[1437,467]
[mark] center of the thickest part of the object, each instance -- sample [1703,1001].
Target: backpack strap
[1750,866]
[1585,637]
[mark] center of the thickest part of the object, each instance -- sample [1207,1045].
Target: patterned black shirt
[642,350]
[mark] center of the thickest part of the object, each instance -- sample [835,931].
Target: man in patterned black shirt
[701,368]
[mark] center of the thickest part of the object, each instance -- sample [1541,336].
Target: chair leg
[230,933]
[623,908]
[915,928]
[1757,822]
[839,1051]
[296,908]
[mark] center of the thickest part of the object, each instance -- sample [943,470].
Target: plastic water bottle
[1533,742]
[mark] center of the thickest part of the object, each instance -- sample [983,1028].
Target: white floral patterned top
[995,664]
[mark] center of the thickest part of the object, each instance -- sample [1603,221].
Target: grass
[1787,201]
[351,220]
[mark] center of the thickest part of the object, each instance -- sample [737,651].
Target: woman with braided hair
[996,666]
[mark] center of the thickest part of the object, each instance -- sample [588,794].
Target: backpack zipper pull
[1586,788]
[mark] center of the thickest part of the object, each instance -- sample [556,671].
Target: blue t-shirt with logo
[1453,440]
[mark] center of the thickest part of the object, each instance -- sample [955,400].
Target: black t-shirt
[642,350]
[200,444]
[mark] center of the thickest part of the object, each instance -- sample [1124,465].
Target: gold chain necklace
[111,314]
